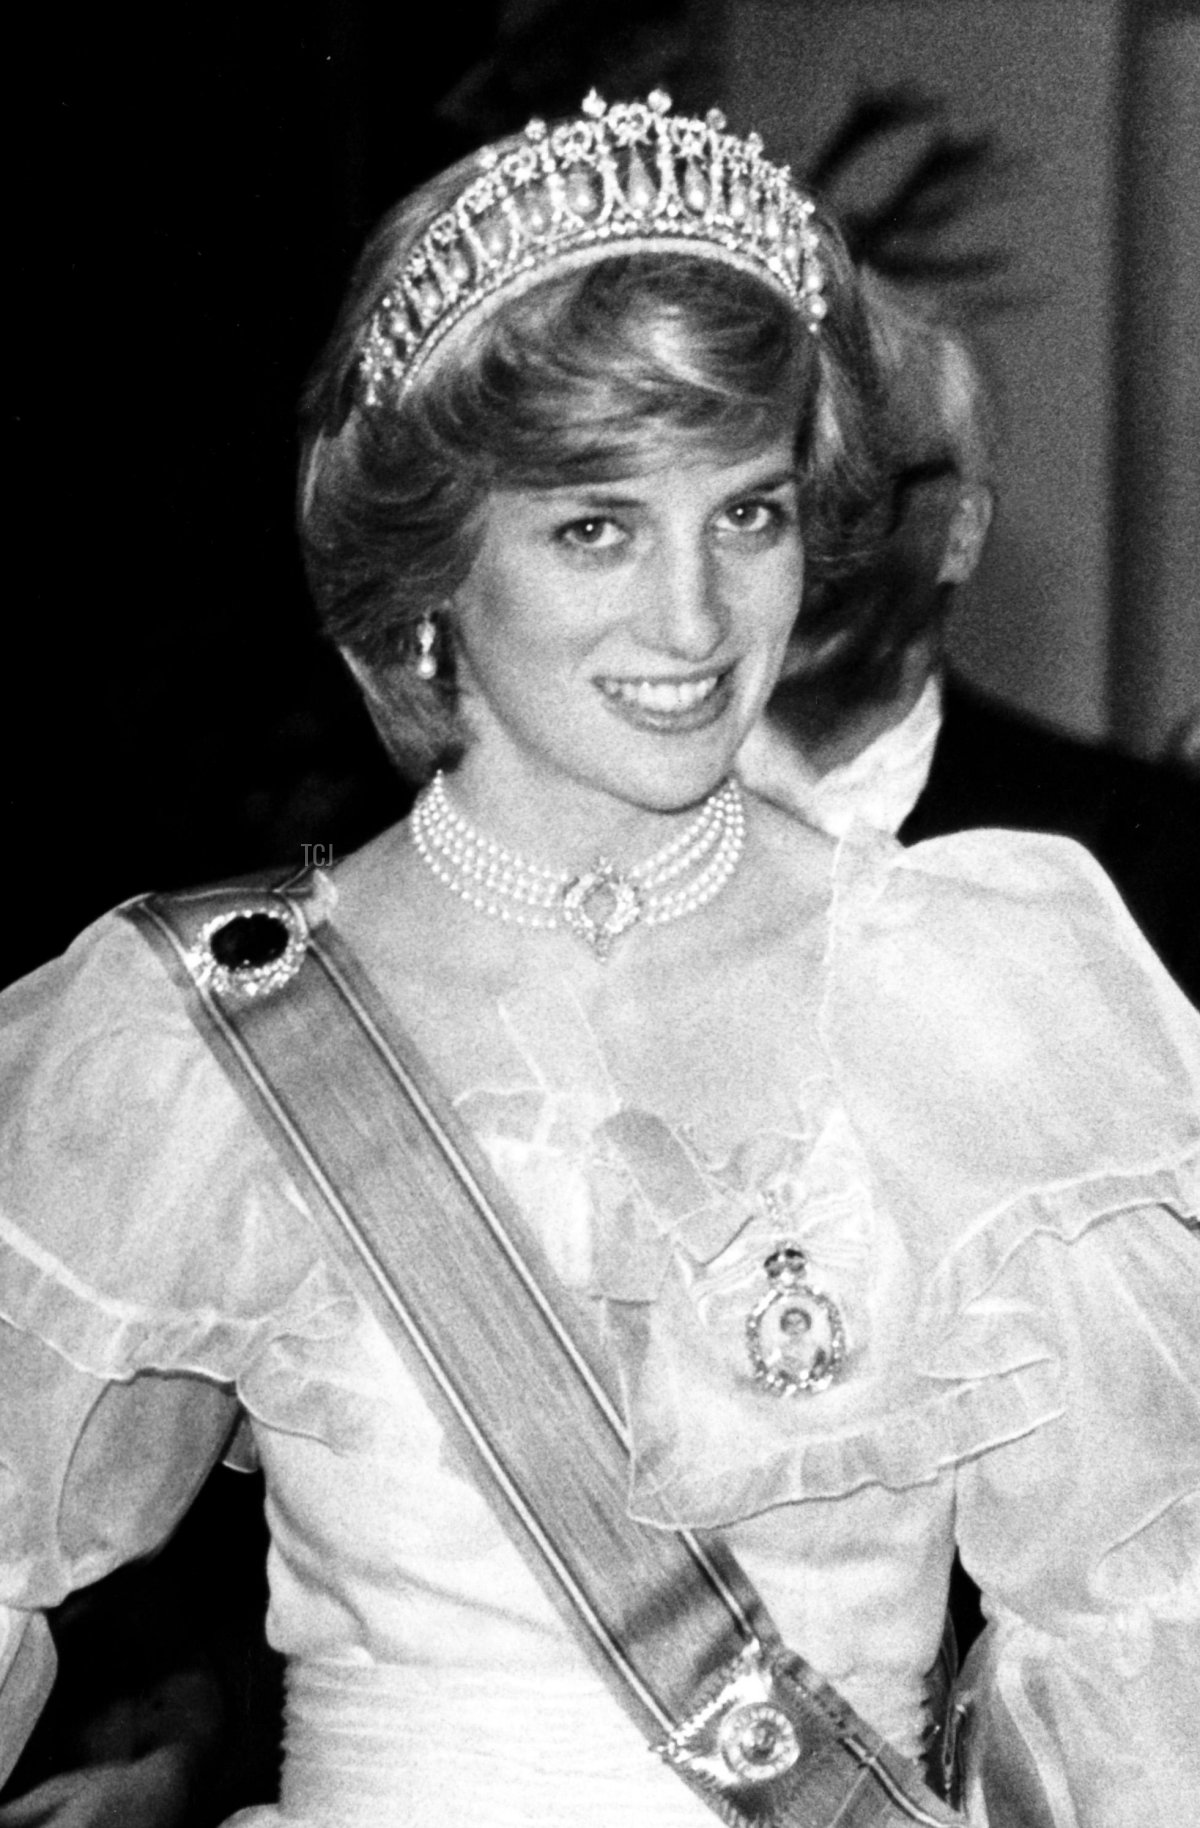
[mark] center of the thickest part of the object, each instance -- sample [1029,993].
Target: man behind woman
[871,724]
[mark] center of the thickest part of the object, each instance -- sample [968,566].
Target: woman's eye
[753,517]
[596,534]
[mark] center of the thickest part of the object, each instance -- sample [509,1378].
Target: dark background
[193,187]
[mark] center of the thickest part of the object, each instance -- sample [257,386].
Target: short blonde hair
[594,373]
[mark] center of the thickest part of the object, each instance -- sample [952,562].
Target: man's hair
[861,618]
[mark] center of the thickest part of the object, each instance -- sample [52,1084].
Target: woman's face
[621,638]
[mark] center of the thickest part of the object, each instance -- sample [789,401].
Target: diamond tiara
[632,175]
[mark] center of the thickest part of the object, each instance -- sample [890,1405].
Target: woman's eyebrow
[770,484]
[778,479]
[599,497]
[576,498]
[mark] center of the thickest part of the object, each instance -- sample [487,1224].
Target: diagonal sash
[513,1364]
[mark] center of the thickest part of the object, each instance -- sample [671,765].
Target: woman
[860,1172]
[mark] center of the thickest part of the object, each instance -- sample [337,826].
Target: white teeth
[662,695]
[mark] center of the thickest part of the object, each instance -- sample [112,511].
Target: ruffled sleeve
[1015,1063]
[1025,1079]
[152,1271]
[998,1026]
[1000,1056]
[1084,1533]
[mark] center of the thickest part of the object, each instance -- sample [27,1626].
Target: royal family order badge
[794,1334]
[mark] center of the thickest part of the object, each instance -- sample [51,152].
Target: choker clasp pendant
[600,905]
[795,1336]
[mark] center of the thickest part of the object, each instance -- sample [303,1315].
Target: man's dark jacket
[1141,820]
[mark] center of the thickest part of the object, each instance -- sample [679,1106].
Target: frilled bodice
[986,1152]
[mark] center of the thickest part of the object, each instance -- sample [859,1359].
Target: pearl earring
[426,637]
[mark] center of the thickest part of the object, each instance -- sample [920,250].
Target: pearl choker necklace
[598,905]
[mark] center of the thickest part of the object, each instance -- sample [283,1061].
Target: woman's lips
[668,704]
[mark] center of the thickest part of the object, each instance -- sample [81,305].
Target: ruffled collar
[949,1124]
[671,1242]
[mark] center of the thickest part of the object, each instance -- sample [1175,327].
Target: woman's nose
[682,612]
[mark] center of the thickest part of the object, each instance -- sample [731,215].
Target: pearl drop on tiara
[616,178]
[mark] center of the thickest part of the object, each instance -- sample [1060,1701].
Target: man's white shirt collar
[877,788]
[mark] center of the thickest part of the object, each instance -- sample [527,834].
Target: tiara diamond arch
[630,175]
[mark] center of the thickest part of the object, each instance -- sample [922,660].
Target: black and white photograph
[600,978]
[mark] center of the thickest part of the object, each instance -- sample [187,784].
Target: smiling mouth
[661,697]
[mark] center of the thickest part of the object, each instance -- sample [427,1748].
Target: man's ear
[968,533]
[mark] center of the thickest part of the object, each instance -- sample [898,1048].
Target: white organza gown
[990,1159]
